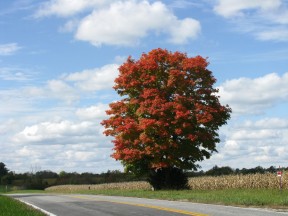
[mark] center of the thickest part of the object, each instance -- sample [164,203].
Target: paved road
[91,205]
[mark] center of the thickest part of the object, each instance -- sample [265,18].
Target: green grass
[24,191]
[236,197]
[12,207]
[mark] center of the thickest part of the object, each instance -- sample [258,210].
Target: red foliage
[170,113]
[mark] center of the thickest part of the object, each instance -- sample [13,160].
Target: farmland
[260,190]
[251,181]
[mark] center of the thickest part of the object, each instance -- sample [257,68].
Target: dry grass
[253,181]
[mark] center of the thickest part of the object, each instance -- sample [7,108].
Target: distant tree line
[226,170]
[46,178]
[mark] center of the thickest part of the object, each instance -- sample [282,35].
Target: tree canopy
[169,113]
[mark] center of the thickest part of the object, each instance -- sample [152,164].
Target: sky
[59,59]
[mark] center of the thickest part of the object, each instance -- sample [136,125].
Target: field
[11,207]
[252,181]
[260,190]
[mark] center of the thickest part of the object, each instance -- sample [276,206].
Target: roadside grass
[12,207]
[15,189]
[24,191]
[237,197]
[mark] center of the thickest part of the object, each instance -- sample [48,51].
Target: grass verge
[24,191]
[12,207]
[237,197]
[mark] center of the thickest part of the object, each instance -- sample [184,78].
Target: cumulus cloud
[122,23]
[254,96]
[183,30]
[260,138]
[61,90]
[61,132]
[74,145]
[94,79]
[75,157]
[9,49]
[261,142]
[265,19]
[92,112]
[68,89]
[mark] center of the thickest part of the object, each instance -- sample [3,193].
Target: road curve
[91,205]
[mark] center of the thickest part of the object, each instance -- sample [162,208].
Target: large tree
[169,114]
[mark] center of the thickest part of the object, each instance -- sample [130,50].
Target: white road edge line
[36,207]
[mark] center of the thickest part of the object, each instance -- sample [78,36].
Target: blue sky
[59,58]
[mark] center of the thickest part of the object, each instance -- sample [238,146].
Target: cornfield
[252,181]
[141,185]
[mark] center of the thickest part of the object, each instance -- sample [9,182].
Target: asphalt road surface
[91,205]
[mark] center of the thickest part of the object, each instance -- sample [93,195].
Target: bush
[168,178]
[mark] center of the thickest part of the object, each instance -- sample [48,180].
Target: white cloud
[68,7]
[13,102]
[78,145]
[15,74]
[94,79]
[267,123]
[272,34]
[67,89]
[9,49]
[26,152]
[70,26]
[7,126]
[75,157]
[228,8]
[93,112]
[265,19]
[79,155]
[124,23]
[253,143]
[60,89]
[183,30]
[254,135]
[61,132]
[252,96]
[231,145]
[263,158]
